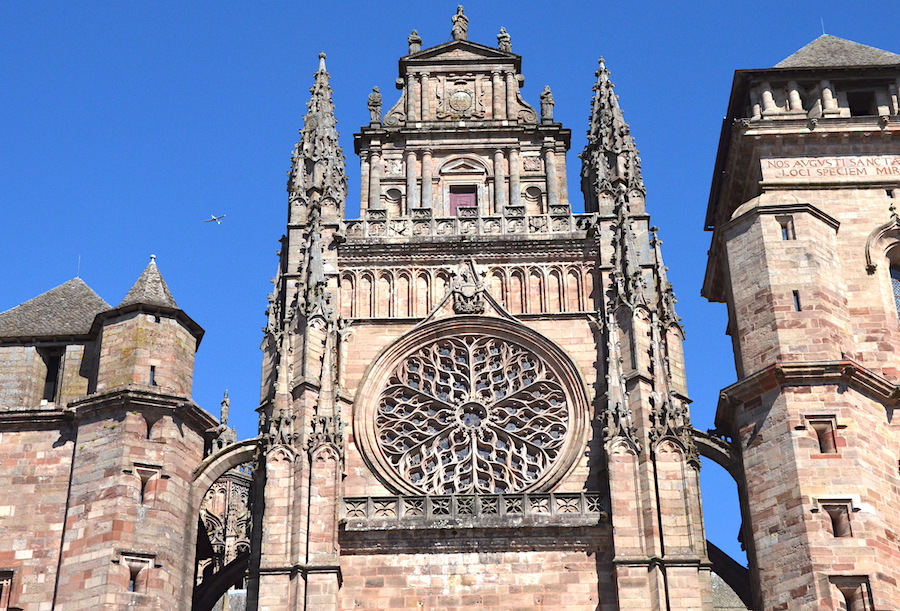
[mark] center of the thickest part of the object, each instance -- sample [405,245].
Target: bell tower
[805,256]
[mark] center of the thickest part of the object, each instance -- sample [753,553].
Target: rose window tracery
[472,413]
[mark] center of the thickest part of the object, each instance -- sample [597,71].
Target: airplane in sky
[214,219]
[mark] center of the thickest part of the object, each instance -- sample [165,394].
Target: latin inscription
[827,169]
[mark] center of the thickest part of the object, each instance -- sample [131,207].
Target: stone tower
[805,255]
[97,418]
[472,395]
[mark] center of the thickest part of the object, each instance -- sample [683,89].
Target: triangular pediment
[460,50]
[463,166]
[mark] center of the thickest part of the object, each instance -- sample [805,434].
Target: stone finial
[547,104]
[415,42]
[375,106]
[322,61]
[460,29]
[504,42]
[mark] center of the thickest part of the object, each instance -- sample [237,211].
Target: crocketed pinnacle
[150,289]
[610,157]
[317,164]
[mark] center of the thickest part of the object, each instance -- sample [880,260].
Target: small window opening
[895,286]
[824,430]
[840,519]
[787,228]
[796,295]
[152,375]
[889,193]
[52,360]
[862,103]
[855,594]
[157,319]
[463,198]
[5,589]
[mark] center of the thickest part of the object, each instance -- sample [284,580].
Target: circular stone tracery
[473,413]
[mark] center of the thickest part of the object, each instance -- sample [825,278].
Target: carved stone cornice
[846,372]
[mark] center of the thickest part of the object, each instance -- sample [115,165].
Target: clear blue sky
[124,125]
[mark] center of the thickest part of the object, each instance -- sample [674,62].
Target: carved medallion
[461,100]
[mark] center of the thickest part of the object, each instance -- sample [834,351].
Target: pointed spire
[150,289]
[317,164]
[610,161]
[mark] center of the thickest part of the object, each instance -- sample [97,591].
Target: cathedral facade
[475,396]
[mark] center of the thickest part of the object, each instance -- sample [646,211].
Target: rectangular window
[463,196]
[152,375]
[796,295]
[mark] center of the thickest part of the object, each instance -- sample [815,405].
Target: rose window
[472,413]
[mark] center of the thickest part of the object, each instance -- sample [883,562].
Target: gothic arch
[218,464]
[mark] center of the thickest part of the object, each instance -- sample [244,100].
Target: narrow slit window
[796,295]
[152,375]
[824,430]
[53,361]
[839,516]
[787,228]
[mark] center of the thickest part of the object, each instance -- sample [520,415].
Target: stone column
[410,98]
[552,182]
[412,200]
[511,88]
[363,181]
[497,95]
[499,184]
[829,102]
[375,179]
[423,94]
[427,197]
[768,100]
[795,104]
[515,196]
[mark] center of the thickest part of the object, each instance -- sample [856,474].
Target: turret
[147,340]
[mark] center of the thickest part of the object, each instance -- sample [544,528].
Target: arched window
[895,285]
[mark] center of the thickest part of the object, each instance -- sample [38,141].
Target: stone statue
[375,106]
[415,42]
[226,404]
[547,105]
[504,42]
[460,29]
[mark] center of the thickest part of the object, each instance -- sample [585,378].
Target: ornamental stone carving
[472,405]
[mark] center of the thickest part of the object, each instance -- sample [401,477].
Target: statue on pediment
[460,29]
[504,41]
[375,106]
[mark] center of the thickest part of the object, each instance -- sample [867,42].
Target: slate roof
[66,310]
[832,52]
[150,289]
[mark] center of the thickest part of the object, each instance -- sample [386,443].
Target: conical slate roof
[68,309]
[833,52]
[150,289]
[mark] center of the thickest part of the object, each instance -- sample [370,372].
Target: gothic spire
[610,162]
[317,164]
